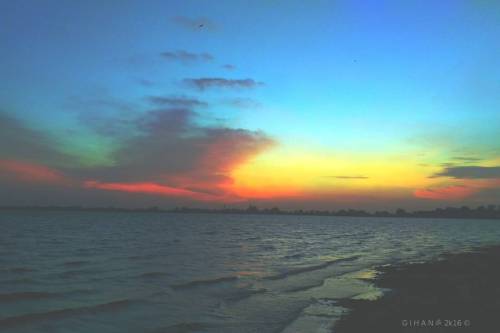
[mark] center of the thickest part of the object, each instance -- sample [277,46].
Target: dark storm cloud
[195,24]
[215,82]
[469,172]
[186,57]
[177,101]
[20,142]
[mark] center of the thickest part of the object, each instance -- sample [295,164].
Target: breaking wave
[300,270]
[198,283]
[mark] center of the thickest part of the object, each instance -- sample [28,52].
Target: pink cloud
[155,189]
[31,172]
[454,192]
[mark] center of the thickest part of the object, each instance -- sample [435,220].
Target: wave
[198,283]
[63,313]
[293,315]
[181,328]
[75,273]
[20,280]
[140,257]
[252,238]
[305,287]
[243,294]
[267,247]
[152,275]
[299,270]
[294,256]
[75,263]
[20,270]
[26,295]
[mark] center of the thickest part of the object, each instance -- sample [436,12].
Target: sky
[298,104]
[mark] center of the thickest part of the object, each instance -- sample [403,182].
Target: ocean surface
[153,272]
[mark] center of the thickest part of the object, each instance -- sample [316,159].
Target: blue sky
[338,77]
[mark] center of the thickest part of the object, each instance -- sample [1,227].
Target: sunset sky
[299,104]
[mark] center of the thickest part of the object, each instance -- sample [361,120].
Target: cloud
[244,103]
[491,195]
[454,192]
[20,142]
[469,172]
[466,159]
[30,172]
[229,67]
[162,152]
[151,188]
[105,115]
[186,57]
[205,83]
[177,101]
[348,177]
[171,150]
[195,24]
[146,82]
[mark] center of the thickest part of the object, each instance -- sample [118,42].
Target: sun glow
[297,173]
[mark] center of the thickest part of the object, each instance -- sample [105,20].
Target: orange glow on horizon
[285,174]
[30,172]
[454,192]
[156,189]
[297,177]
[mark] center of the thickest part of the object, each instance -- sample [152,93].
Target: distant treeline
[480,212]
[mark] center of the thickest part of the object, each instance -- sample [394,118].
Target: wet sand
[457,293]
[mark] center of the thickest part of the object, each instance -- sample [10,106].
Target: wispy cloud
[31,172]
[186,57]
[215,82]
[151,188]
[170,151]
[21,142]
[163,152]
[348,177]
[195,24]
[145,82]
[243,103]
[177,101]
[466,159]
[229,67]
[453,192]
[469,172]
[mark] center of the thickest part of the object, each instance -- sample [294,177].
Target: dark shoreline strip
[461,291]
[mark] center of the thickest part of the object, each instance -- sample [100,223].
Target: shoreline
[454,293]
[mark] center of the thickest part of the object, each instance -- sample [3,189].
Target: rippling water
[153,272]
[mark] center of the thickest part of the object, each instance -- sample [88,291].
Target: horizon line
[482,211]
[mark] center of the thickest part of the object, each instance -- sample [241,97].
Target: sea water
[66,271]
